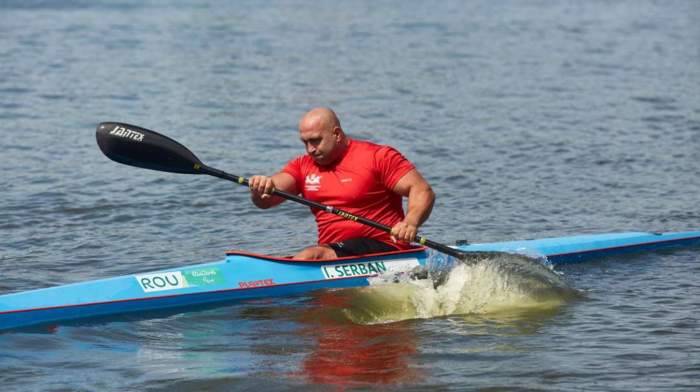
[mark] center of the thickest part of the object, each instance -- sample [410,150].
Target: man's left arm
[420,203]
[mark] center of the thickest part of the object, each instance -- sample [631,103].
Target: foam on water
[498,285]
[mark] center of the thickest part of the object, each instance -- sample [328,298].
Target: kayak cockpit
[288,259]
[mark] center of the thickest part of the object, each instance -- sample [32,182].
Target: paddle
[140,147]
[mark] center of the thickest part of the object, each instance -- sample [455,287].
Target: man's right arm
[261,189]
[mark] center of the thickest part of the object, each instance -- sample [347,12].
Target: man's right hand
[261,186]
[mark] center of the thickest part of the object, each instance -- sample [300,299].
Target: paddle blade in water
[136,146]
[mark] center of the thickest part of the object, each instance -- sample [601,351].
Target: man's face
[320,143]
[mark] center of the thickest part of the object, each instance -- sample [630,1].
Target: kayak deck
[244,275]
[563,250]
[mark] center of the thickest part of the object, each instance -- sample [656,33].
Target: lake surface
[529,118]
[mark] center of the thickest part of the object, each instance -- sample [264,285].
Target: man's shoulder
[375,150]
[370,147]
[359,143]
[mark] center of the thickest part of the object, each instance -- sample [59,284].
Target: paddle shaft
[244,181]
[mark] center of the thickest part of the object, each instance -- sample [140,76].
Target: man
[362,178]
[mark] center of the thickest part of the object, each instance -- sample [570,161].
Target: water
[529,118]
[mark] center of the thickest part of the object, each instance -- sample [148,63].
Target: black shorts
[360,246]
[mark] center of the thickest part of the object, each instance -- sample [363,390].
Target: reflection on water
[502,323]
[348,354]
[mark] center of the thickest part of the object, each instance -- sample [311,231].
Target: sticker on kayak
[368,268]
[179,279]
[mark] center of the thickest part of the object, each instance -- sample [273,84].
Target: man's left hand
[404,232]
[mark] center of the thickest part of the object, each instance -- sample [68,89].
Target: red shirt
[361,183]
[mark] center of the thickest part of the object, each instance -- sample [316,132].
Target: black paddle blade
[136,146]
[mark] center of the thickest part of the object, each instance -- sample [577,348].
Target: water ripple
[528,120]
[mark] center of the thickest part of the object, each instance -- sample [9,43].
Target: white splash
[502,284]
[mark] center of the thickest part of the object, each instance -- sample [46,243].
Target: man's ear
[338,133]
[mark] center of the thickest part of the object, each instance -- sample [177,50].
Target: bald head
[324,118]
[320,131]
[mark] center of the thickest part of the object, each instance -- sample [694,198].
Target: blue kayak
[244,275]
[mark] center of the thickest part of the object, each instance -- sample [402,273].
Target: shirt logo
[313,182]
